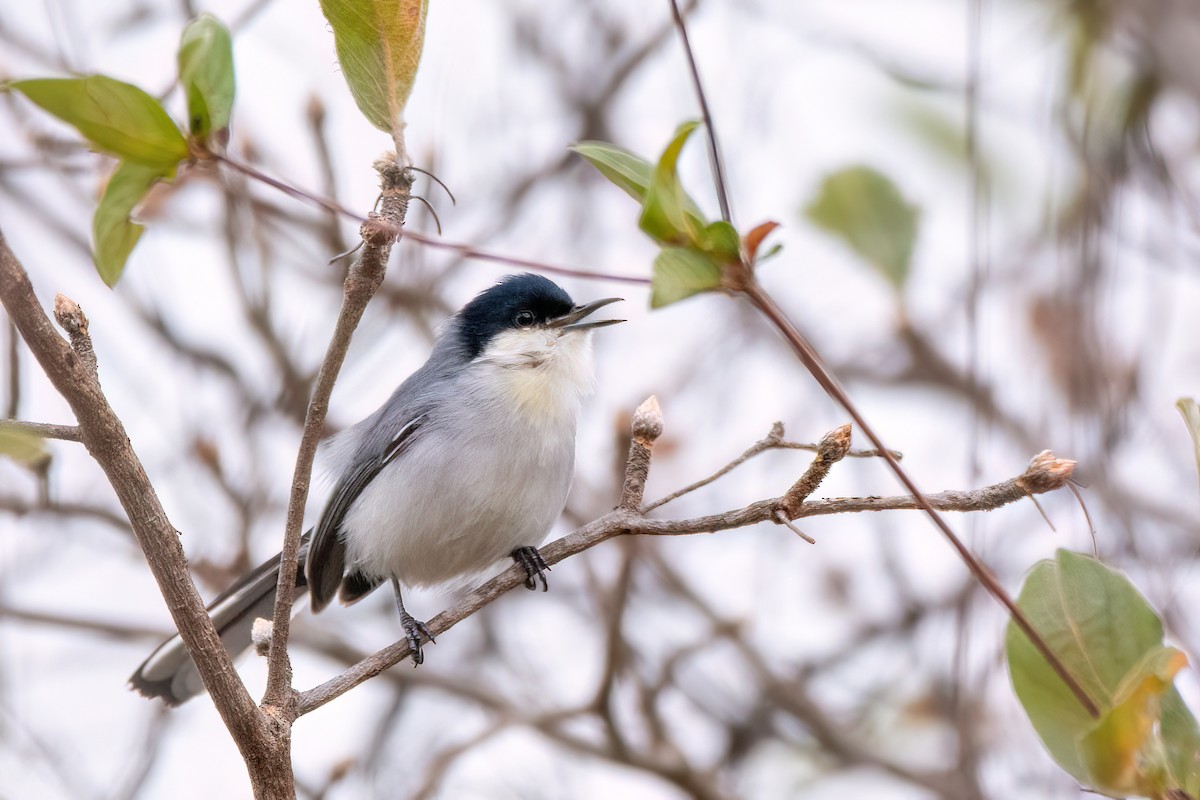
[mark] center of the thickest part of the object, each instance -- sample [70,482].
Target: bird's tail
[171,674]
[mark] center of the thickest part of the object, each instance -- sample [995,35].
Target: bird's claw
[535,567]
[414,629]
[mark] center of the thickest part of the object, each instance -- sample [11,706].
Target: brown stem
[362,281]
[808,356]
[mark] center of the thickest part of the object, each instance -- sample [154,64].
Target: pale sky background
[795,96]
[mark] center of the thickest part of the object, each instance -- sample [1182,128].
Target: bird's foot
[535,567]
[414,629]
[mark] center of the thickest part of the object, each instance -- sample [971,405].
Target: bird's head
[527,321]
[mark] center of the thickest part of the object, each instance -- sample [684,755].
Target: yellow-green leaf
[113,233]
[863,208]
[206,74]
[680,273]
[378,45]
[1111,641]
[115,117]
[22,446]
[1115,752]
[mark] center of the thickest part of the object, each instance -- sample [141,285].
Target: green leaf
[115,117]
[629,172]
[22,446]
[863,208]
[1110,640]
[378,46]
[680,273]
[666,217]
[721,240]
[113,234]
[206,74]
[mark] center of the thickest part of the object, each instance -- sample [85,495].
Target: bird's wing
[326,562]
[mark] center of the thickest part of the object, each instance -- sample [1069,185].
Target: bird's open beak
[571,320]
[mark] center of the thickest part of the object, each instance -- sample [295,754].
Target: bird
[468,463]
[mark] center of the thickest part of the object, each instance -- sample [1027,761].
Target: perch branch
[1044,474]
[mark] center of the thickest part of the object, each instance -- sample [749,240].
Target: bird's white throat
[542,370]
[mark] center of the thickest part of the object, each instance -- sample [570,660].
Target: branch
[395,230]
[379,233]
[1045,473]
[772,441]
[67,433]
[72,370]
[808,356]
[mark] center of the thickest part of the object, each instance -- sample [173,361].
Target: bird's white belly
[439,512]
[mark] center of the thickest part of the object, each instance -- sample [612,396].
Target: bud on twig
[647,426]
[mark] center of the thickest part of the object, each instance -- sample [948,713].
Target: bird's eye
[524,319]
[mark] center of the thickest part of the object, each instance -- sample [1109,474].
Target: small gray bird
[467,463]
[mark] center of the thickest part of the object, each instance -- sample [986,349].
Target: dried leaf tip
[1046,472]
[648,421]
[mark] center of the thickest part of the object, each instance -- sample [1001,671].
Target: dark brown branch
[714,150]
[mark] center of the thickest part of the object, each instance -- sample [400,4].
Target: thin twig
[462,249]
[772,441]
[66,433]
[832,450]
[647,427]
[714,151]
[510,261]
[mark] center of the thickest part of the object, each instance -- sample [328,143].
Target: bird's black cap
[518,301]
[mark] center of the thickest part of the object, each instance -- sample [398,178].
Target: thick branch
[72,371]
